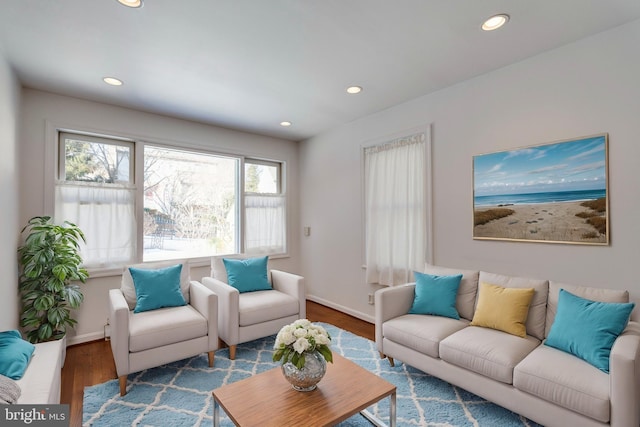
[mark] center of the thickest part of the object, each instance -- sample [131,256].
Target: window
[96,191]
[187,204]
[395,184]
[265,208]
[190,204]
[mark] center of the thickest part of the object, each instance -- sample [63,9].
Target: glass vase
[307,378]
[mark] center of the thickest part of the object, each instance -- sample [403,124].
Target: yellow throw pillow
[504,309]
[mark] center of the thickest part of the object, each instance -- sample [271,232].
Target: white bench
[42,380]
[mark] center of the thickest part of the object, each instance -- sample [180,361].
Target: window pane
[265,231]
[89,159]
[190,205]
[261,177]
[96,192]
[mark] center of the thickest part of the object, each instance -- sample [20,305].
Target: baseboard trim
[100,335]
[80,339]
[358,314]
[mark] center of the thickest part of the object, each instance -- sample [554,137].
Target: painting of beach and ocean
[555,193]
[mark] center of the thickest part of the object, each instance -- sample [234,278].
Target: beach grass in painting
[547,193]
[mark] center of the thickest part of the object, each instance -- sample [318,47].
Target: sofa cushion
[262,306]
[422,333]
[128,288]
[504,309]
[436,295]
[587,328]
[15,354]
[488,352]
[247,275]
[594,294]
[565,380]
[157,288]
[152,329]
[538,307]
[219,271]
[467,291]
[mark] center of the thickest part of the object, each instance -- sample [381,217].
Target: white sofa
[41,382]
[544,384]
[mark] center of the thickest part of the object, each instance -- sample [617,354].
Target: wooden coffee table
[267,399]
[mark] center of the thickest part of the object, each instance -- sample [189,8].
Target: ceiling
[250,64]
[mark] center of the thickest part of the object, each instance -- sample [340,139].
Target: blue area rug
[179,394]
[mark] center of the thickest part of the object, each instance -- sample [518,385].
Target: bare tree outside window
[189,201]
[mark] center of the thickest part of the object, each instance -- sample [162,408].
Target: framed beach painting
[553,193]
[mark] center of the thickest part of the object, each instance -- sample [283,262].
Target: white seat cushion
[41,381]
[156,328]
[422,333]
[263,306]
[565,380]
[486,351]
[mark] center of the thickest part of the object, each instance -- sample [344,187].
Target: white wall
[584,88]
[10,230]
[42,112]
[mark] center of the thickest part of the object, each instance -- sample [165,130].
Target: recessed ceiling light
[131,3]
[112,81]
[285,124]
[354,89]
[495,22]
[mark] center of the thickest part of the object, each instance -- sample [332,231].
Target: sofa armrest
[293,285]
[119,321]
[389,303]
[624,377]
[205,301]
[228,309]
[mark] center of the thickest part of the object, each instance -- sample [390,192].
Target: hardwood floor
[92,363]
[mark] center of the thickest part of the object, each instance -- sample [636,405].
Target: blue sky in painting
[564,166]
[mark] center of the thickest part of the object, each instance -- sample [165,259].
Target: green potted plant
[50,261]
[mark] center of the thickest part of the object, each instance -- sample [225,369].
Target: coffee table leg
[392,414]
[392,410]
[216,413]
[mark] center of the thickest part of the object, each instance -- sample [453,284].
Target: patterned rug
[179,394]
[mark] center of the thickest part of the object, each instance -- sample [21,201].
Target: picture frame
[555,192]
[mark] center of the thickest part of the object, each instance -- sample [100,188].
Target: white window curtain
[106,216]
[395,209]
[265,225]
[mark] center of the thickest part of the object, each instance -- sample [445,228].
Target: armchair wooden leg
[123,384]
[391,362]
[232,352]
[211,356]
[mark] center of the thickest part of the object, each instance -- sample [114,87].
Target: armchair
[246,316]
[145,339]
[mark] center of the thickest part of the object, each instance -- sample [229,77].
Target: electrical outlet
[371,299]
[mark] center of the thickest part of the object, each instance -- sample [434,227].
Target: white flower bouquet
[301,337]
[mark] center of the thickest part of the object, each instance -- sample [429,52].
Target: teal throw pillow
[436,295]
[587,329]
[15,354]
[157,288]
[247,275]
